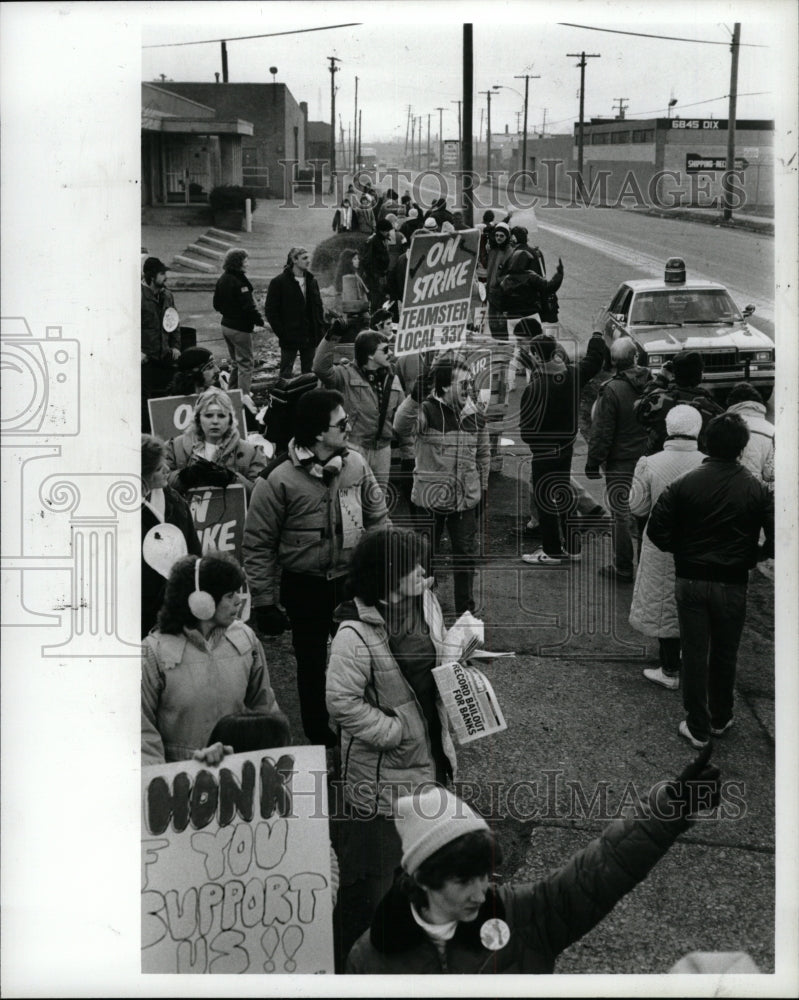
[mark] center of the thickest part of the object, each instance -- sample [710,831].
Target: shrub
[225,197]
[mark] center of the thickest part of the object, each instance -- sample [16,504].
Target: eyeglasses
[340,425]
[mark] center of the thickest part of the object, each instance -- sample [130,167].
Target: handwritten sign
[172,415]
[218,514]
[436,300]
[236,865]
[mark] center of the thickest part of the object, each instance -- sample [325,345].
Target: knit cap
[430,223]
[413,214]
[194,357]
[430,819]
[688,367]
[683,419]
[503,226]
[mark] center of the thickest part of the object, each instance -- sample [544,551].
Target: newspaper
[469,700]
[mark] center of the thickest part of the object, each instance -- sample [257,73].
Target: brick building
[278,122]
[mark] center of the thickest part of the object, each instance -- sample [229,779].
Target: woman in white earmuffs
[201,663]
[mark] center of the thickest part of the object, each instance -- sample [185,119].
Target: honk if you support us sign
[436,302]
[236,865]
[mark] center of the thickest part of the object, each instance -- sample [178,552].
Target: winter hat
[683,420]
[194,357]
[429,820]
[447,227]
[412,213]
[430,223]
[519,233]
[153,266]
[688,368]
[502,227]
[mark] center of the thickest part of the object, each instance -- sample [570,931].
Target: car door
[615,320]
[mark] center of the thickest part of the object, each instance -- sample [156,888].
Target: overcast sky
[411,54]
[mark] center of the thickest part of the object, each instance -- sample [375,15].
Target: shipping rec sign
[695,163]
[436,301]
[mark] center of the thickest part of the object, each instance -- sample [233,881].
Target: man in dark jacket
[160,349]
[233,298]
[617,442]
[668,389]
[548,421]
[374,264]
[711,520]
[439,211]
[295,312]
[443,915]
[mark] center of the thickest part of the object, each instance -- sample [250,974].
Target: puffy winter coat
[544,917]
[296,319]
[758,455]
[616,436]
[249,460]
[452,453]
[360,399]
[654,608]
[385,744]
[233,298]
[190,682]
[295,520]
[711,518]
[659,397]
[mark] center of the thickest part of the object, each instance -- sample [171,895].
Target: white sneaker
[540,558]
[656,675]
[688,735]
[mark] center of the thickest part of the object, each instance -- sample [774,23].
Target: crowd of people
[689,498]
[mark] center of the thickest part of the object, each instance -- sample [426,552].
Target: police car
[680,314]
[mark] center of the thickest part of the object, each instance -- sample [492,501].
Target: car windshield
[682,305]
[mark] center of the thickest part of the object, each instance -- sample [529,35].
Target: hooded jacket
[360,399]
[295,520]
[617,438]
[385,743]
[660,396]
[758,455]
[544,917]
[453,453]
[711,520]
[297,320]
[156,343]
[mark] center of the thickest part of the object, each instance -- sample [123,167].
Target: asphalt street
[586,735]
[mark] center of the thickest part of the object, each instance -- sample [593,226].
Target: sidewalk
[275,230]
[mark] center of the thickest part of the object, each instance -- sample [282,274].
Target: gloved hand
[698,786]
[559,268]
[592,472]
[204,473]
[271,620]
[189,477]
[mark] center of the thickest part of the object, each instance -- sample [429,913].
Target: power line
[243,38]
[667,38]
[694,104]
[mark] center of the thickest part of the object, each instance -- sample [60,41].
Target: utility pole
[419,144]
[622,107]
[354,167]
[333,70]
[544,124]
[427,165]
[360,138]
[582,64]
[440,138]
[726,181]
[488,94]
[460,135]
[407,127]
[527,79]
[466,140]
[224,62]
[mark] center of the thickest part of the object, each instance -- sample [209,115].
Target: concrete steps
[211,246]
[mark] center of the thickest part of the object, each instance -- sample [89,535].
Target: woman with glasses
[201,663]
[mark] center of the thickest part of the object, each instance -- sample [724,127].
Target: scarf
[327,472]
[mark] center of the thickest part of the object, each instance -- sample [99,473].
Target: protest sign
[173,415]
[236,865]
[218,513]
[436,301]
[470,702]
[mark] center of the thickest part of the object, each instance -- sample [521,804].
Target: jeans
[239,347]
[618,482]
[669,650]
[711,619]
[288,354]
[462,528]
[309,602]
[554,498]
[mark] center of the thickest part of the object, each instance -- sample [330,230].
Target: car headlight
[764,355]
[655,359]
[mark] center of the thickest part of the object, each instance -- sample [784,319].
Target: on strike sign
[236,865]
[438,291]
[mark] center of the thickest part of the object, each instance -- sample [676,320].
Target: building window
[617,138]
[600,138]
[643,135]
